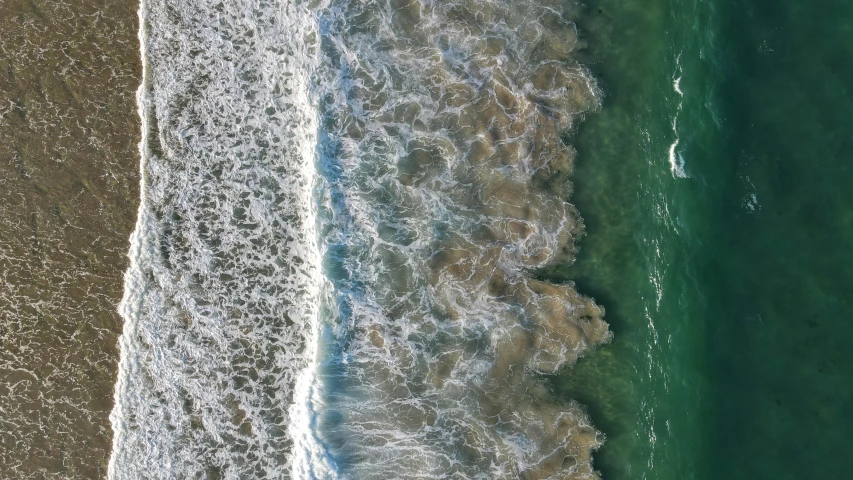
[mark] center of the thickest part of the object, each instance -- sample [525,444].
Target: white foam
[220,302]
[676,83]
[749,201]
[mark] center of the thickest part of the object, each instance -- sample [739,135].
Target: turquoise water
[727,288]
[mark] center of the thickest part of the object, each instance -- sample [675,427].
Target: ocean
[427,239]
[715,191]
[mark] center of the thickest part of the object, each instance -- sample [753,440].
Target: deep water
[779,280]
[728,289]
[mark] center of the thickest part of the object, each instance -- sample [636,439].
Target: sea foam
[220,299]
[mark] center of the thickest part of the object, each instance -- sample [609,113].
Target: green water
[729,290]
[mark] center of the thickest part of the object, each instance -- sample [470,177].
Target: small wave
[676,160]
[446,178]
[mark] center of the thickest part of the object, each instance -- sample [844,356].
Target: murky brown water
[68,196]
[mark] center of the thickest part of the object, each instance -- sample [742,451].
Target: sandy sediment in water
[467,195]
[68,198]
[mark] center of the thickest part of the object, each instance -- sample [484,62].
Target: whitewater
[333,274]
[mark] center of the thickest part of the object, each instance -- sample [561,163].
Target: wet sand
[68,199]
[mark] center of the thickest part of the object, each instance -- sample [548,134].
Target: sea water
[714,185]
